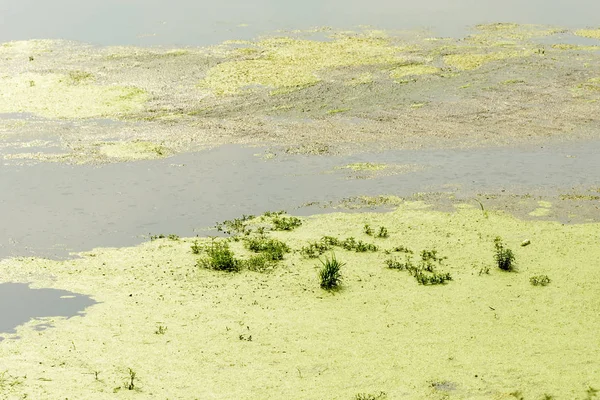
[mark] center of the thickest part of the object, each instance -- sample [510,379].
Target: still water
[187,22]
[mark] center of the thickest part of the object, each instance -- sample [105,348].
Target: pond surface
[49,210]
[19,304]
[186,22]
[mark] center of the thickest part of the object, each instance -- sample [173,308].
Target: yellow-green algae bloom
[194,333]
[70,96]
[287,64]
[590,33]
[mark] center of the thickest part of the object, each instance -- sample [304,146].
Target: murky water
[49,210]
[19,303]
[185,22]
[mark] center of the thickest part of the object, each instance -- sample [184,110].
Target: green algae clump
[589,33]
[69,96]
[412,70]
[288,64]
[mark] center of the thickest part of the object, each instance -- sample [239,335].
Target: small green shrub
[329,274]
[433,278]
[539,280]
[273,249]
[219,257]
[505,258]
[258,263]
[383,232]
[286,223]
[357,245]
[196,248]
[314,249]
[368,230]
[331,241]
[407,265]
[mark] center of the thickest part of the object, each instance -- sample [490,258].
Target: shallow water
[19,303]
[186,22]
[49,210]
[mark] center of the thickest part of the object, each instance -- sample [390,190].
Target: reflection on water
[187,22]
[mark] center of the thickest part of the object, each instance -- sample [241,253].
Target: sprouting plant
[273,249]
[402,249]
[314,249]
[173,237]
[130,384]
[368,230]
[154,237]
[286,223]
[383,232]
[406,265]
[234,226]
[357,245]
[366,396]
[196,248]
[161,330]
[504,257]
[329,274]
[220,258]
[258,263]
[539,280]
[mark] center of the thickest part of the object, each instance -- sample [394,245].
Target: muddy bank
[320,91]
[486,333]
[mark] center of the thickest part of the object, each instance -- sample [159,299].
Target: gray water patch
[49,210]
[187,22]
[19,304]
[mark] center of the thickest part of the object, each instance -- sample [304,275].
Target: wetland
[439,239]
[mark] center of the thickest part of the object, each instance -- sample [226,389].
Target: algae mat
[165,328]
[317,89]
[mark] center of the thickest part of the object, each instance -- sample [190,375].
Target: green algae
[589,33]
[408,335]
[293,64]
[413,70]
[470,61]
[67,96]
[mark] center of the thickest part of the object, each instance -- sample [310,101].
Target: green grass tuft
[329,274]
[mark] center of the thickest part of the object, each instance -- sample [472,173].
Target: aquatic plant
[258,263]
[196,247]
[425,271]
[314,249]
[234,226]
[366,396]
[273,249]
[219,257]
[383,232]
[130,384]
[161,330]
[505,258]
[539,280]
[286,223]
[329,274]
